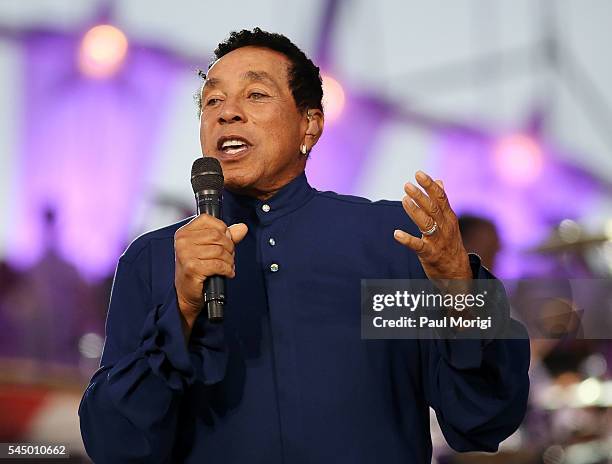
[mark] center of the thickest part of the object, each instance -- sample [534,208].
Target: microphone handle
[209,202]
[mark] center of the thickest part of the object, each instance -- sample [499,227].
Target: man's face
[250,121]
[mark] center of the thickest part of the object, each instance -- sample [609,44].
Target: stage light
[102,51]
[333,98]
[569,231]
[595,365]
[518,158]
[91,345]
[589,391]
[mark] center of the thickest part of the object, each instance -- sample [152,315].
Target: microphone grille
[206,174]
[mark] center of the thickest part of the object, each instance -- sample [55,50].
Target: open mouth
[233,145]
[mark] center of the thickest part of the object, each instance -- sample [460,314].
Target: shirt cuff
[163,344]
[478,270]
[167,354]
[208,350]
[463,351]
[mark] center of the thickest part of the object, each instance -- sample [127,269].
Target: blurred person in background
[44,306]
[286,377]
[480,236]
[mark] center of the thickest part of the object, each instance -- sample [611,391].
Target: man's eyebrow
[258,76]
[211,82]
[253,76]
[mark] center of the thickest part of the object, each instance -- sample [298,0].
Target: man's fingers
[416,244]
[418,215]
[238,232]
[201,269]
[423,201]
[205,221]
[435,190]
[204,252]
[184,238]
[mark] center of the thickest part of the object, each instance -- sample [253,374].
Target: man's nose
[231,112]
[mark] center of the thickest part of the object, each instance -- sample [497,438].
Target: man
[479,235]
[286,378]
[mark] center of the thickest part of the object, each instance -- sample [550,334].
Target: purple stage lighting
[86,148]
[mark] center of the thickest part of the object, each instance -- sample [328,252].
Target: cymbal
[556,244]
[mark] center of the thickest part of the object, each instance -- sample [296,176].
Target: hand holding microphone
[204,248]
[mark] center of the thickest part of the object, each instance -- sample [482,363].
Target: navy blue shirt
[287,378]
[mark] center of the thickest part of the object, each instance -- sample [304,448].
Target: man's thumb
[238,231]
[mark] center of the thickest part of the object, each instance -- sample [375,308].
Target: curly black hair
[304,77]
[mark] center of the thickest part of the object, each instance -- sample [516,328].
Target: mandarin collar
[289,198]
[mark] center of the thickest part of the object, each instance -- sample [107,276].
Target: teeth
[232,144]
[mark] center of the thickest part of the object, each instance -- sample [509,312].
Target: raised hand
[440,247]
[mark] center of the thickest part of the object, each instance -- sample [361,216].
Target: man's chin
[238,184]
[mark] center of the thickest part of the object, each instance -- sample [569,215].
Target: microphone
[207,183]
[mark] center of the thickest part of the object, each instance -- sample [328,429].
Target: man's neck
[263,194]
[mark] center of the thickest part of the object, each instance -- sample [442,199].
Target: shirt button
[265,207]
[272,242]
[274,267]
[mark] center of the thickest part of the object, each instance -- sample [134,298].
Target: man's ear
[316,120]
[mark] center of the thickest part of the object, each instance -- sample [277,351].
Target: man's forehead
[248,64]
[248,76]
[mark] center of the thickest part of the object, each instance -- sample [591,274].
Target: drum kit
[569,419]
[576,405]
[569,242]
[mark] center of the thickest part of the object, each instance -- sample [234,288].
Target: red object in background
[19,405]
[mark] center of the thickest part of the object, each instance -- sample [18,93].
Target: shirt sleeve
[478,388]
[129,411]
